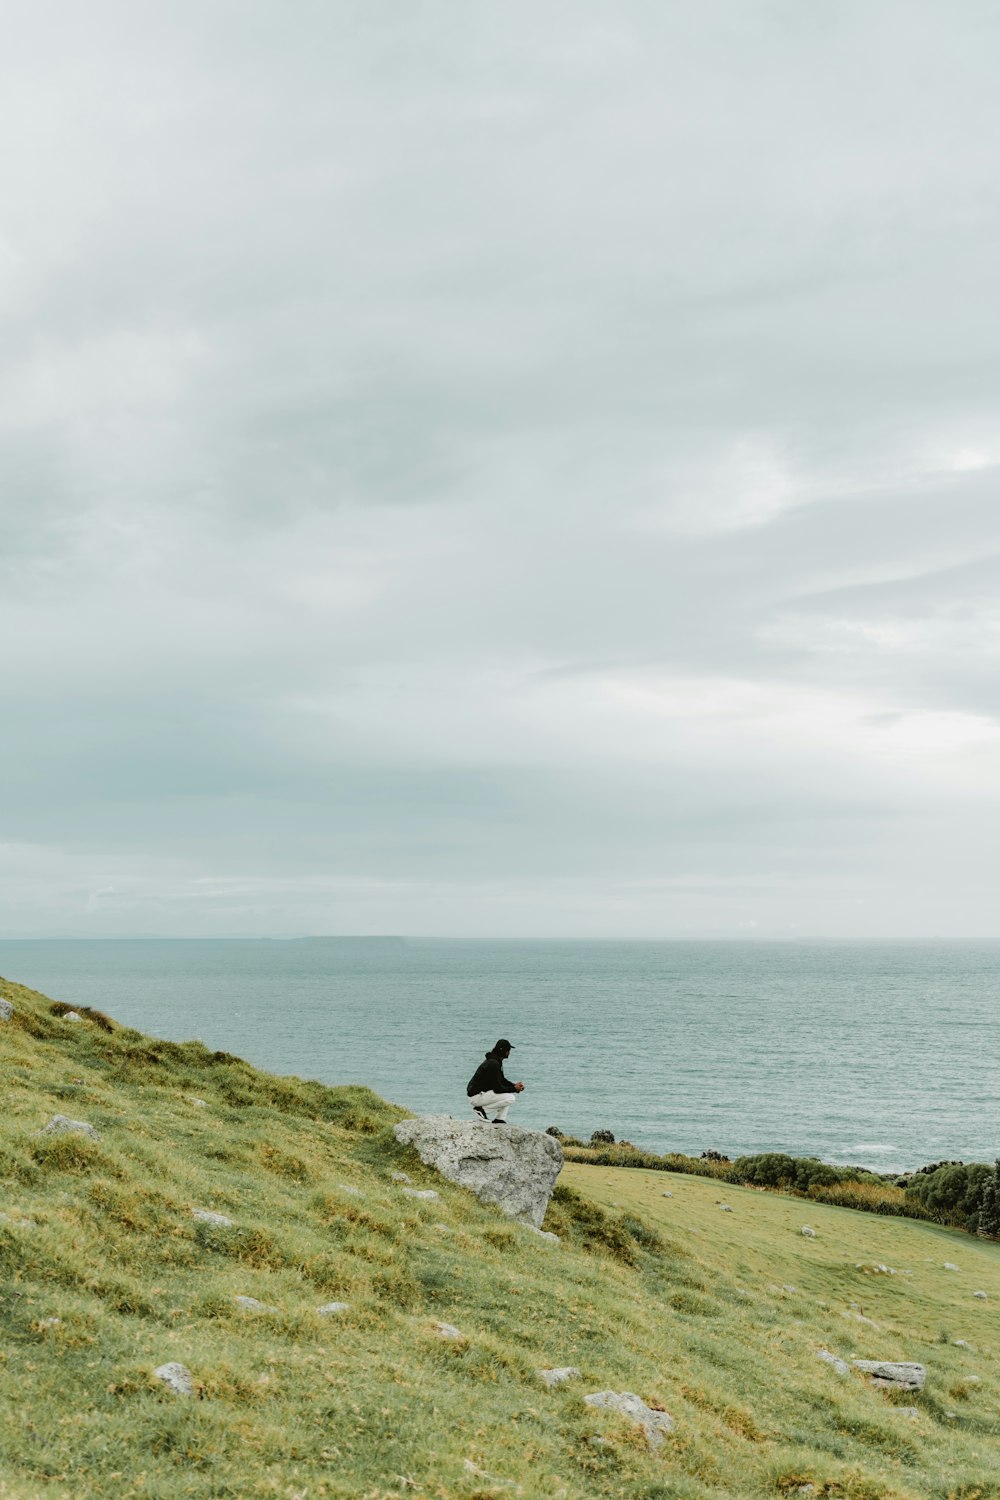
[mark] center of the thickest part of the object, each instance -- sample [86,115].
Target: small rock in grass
[840,1365]
[401,1177]
[666,1195]
[893,1375]
[62,1125]
[6,1010]
[949,1266]
[809,1232]
[448,1331]
[345,1187]
[251,1304]
[198,1103]
[178,1377]
[545,1234]
[786,1286]
[961,1344]
[726,1208]
[653,1423]
[206,1216]
[913,1412]
[44,1323]
[983,1296]
[71,1015]
[428,1195]
[560,1374]
[330,1309]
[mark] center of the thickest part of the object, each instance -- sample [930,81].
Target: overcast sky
[509,469]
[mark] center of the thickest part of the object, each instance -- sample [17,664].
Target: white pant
[501,1103]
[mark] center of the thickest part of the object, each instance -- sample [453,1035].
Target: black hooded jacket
[488,1077]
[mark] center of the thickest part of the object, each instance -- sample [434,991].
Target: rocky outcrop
[892,1375]
[253,1304]
[514,1168]
[6,1010]
[177,1376]
[206,1216]
[653,1422]
[63,1125]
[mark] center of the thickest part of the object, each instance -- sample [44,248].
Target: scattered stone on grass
[949,1266]
[177,1376]
[786,1286]
[345,1187]
[63,1125]
[653,1423]
[401,1177]
[545,1234]
[428,1195]
[893,1375]
[873,1268]
[726,1208]
[448,1331]
[251,1304]
[44,1323]
[840,1365]
[6,1010]
[961,1343]
[198,1103]
[207,1216]
[560,1374]
[913,1412]
[983,1296]
[330,1309]
[808,1231]
[71,1015]
[510,1166]
[666,1195]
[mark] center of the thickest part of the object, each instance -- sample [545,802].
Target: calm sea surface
[884,1055]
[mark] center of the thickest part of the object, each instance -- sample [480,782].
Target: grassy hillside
[105,1274]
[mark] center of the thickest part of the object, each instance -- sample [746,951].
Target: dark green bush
[989,1205]
[952,1194]
[797,1174]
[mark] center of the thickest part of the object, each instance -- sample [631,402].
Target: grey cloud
[472,453]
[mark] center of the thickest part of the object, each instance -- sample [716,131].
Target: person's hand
[519,1088]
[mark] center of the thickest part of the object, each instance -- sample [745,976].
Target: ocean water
[884,1055]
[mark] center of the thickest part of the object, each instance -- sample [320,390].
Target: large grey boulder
[503,1164]
[6,1010]
[893,1375]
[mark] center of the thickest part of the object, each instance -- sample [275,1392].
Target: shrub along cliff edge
[337,1336]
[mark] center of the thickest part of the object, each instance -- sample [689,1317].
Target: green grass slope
[105,1274]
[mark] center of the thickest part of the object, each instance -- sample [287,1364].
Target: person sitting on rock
[489,1089]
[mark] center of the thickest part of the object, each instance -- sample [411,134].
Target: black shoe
[500,1122]
[478,1109]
